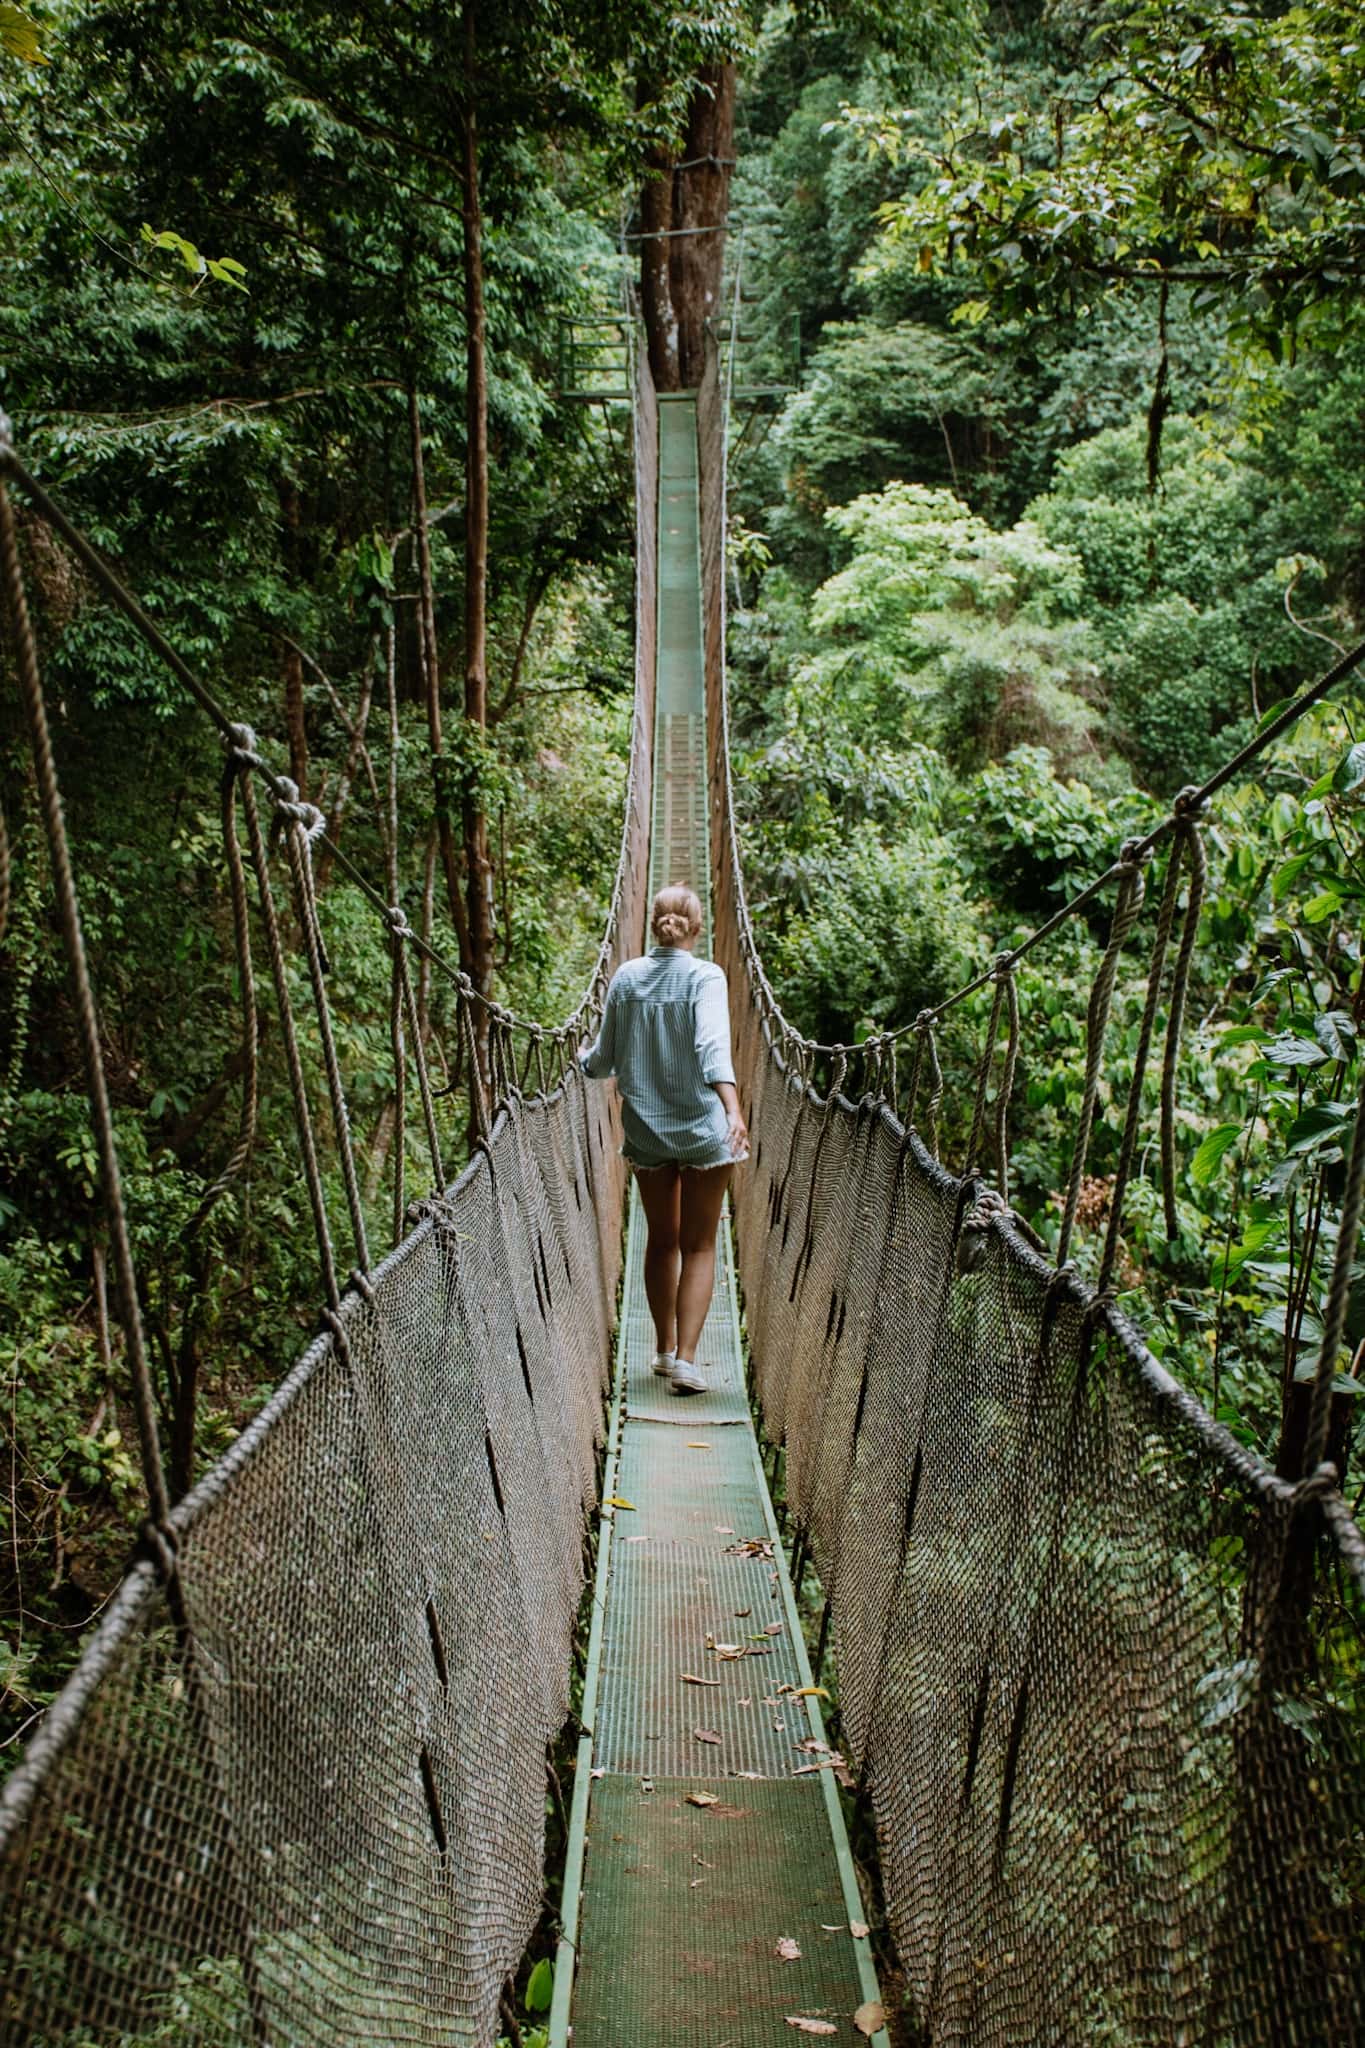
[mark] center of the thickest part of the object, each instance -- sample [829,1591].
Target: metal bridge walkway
[695,1848]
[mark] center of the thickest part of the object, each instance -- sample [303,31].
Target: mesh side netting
[298,1796]
[1101,1675]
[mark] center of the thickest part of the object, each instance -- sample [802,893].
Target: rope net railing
[295,1791]
[1101,1673]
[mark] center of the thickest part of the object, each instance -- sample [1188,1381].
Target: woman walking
[666,1037]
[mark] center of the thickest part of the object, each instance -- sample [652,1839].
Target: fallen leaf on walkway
[728,1649]
[615,1501]
[810,2026]
[721,1530]
[774,1628]
[788,1949]
[703,1799]
[813,1746]
[750,1546]
[858,1929]
[743,1613]
[692,1886]
[748,1774]
[809,1692]
[836,1928]
[637,1539]
[870,2017]
[744,1703]
[702,1863]
[699,1447]
[825,1763]
[706,1735]
[691,1678]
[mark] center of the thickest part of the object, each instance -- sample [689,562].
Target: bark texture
[683,206]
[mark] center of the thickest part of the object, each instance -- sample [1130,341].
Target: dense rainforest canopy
[1069,498]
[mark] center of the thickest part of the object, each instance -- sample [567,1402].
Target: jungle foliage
[1069,500]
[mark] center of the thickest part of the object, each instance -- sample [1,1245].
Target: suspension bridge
[1099,1675]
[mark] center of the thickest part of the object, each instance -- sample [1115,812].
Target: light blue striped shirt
[666,1037]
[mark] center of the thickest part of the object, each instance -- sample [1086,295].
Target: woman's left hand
[737,1136]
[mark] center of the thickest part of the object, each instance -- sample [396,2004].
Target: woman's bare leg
[702,1197]
[660,1200]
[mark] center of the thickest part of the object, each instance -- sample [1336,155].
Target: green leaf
[1244,1034]
[540,1986]
[1350,770]
[1335,1032]
[1289,1050]
[1322,1121]
[1254,1239]
[1288,874]
[1319,908]
[1219,1140]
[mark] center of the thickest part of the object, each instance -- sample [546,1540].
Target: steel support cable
[87,1017]
[983,1078]
[400,932]
[400,1134]
[1197,866]
[1128,1142]
[246,975]
[1006,1091]
[1126,909]
[1338,1294]
[303,1118]
[278,785]
[303,823]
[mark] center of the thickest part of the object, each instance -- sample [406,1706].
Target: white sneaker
[664,1362]
[687,1377]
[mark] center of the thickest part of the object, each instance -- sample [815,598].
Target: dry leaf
[703,1799]
[835,1929]
[637,1539]
[728,1649]
[744,1703]
[750,1546]
[705,1735]
[699,1447]
[615,1501]
[813,1746]
[788,1949]
[691,1678]
[748,1774]
[692,1886]
[804,2026]
[721,1529]
[743,1613]
[809,1692]
[774,1628]
[870,2017]
[702,1863]
[858,1929]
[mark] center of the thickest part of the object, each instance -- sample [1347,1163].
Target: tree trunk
[683,207]
[656,222]
[700,203]
[478,865]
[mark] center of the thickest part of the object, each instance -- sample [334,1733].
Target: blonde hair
[675,914]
